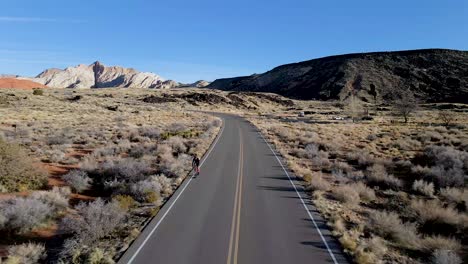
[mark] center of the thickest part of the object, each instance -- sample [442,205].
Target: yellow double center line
[235,226]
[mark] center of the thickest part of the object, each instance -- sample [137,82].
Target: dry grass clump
[377,175]
[422,187]
[437,217]
[17,172]
[455,195]
[318,157]
[125,202]
[407,144]
[431,243]
[94,220]
[145,191]
[118,169]
[371,251]
[283,133]
[389,226]
[365,193]
[78,180]
[346,194]
[446,165]
[362,158]
[28,253]
[317,183]
[56,198]
[445,257]
[20,215]
[349,240]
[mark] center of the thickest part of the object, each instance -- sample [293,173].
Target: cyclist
[196,164]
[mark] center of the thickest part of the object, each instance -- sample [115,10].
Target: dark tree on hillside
[373,92]
[404,103]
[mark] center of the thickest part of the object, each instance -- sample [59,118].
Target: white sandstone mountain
[97,75]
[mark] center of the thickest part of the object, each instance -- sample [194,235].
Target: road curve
[243,208]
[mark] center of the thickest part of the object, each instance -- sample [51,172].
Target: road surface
[244,207]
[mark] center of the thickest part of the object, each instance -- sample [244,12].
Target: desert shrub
[453,177]
[177,144]
[446,165]
[22,132]
[377,174]
[435,216]
[125,201]
[164,182]
[28,253]
[38,91]
[94,220]
[346,194]
[150,132]
[312,150]
[370,251]
[317,183]
[355,175]
[371,137]
[120,169]
[143,190]
[339,175]
[106,151]
[54,156]
[78,180]
[454,195]
[445,257]
[422,187]
[57,140]
[430,136]
[152,197]
[377,246]
[318,157]
[97,256]
[17,171]
[69,160]
[3,220]
[447,117]
[363,158]
[349,241]
[56,198]
[23,214]
[177,167]
[75,251]
[177,127]
[343,166]
[431,243]
[283,133]
[137,151]
[390,226]
[299,152]
[365,193]
[406,144]
[420,170]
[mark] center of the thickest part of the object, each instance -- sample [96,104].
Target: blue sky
[209,39]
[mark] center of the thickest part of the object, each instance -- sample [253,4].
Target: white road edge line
[302,201]
[175,200]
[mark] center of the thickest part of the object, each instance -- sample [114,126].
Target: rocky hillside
[435,75]
[197,84]
[97,75]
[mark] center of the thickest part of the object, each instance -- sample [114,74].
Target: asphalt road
[242,208]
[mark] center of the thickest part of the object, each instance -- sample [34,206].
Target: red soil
[45,232]
[19,84]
